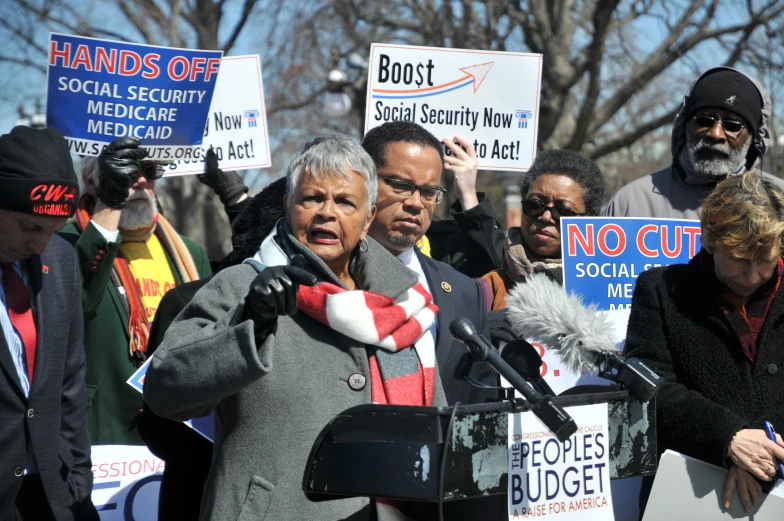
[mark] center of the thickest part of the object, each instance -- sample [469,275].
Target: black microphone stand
[552,415]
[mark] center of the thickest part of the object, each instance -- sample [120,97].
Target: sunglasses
[535,208]
[405,189]
[729,125]
[151,171]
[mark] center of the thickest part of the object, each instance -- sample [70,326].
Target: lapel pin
[446,287]
[45,269]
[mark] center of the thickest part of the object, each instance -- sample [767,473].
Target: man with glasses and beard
[129,256]
[410,162]
[721,130]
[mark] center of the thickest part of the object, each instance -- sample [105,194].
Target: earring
[363,241]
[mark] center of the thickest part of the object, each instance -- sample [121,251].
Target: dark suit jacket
[54,418]
[457,295]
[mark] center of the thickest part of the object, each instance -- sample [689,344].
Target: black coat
[471,241]
[711,389]
[54,417]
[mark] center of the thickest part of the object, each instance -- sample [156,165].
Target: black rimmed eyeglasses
[731,126]
[535,208]
[405,189]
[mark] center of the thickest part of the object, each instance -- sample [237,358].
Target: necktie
[17,300]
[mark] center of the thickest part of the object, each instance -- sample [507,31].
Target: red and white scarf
[402,372]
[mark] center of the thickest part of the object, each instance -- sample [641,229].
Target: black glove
[226,185]
[118,166]
[274,292]
[500,329]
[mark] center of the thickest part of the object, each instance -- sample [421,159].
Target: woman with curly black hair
[560,183]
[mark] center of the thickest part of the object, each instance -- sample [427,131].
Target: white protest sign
[237,121]
[126,482]
[564,481]
[492,98]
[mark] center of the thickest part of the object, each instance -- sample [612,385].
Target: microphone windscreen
[540,309]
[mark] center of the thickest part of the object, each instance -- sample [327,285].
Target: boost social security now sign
[492,98]
[99,90]
[603,256]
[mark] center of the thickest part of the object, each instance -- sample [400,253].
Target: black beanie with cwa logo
[728,90]
[36,173]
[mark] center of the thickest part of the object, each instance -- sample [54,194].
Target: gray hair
[334,155]
[89,166]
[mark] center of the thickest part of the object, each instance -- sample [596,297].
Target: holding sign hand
[118,165]
[464,166]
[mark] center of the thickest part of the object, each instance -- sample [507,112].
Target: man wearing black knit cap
[721,129]
[45,468]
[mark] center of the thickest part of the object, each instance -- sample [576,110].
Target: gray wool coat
[270,400]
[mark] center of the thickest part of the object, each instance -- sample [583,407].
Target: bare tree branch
[247,8]
[630,137]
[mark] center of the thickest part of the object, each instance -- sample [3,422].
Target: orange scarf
[138,325]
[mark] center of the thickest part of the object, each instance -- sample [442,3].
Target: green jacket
[113,406]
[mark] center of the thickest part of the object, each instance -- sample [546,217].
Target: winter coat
[711,389]
[471,241]
[271,396]
[113,407]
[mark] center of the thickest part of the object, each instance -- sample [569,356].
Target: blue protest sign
[137,379]
[99,90]
[603,256]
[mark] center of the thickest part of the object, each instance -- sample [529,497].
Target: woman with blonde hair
[714,330]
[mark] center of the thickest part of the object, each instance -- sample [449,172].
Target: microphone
[552,415]
[583,338]
[523,358]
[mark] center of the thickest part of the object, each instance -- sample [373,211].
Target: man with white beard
[129,256]
[721,129]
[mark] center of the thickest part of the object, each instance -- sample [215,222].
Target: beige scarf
[520,262]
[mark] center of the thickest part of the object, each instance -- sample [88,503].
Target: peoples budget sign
[99,90]
[603,256]
[492,98]
[567,480]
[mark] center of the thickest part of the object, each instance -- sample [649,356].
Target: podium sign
[567,480]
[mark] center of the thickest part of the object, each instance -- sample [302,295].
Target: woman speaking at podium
[714,330]
[321,319]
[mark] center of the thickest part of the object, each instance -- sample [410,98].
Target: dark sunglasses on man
[535,208]
[151,170]
[405,189]
[731,126]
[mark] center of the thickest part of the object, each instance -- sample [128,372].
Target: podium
[398,452]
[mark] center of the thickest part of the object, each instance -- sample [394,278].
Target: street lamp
[343,94]
[337,103]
